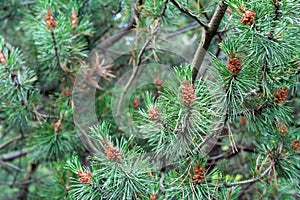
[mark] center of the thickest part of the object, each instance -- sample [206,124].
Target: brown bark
[207,36]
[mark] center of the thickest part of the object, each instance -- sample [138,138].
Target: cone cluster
[2,58]
[188,93]
[57,126]
[84,177]
[281,95]
[153,113]
[234,65]
[153,197]
[243,121]
[157,83]
[295,145]
[199,174]
[248,17]
[136,102]
[112,153]
[281,127]
[50,21]
[74,19]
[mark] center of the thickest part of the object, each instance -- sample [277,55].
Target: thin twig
[11,141]
[138,61]
[262,175]
[10,157]
[179,31]
[189,13]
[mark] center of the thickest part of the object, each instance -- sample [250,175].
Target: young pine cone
[248,17]
[295,145]
[234,65]
[74,19]
[157,82]
[281,95]
[199,174]
[84,177]
[50,21]
[2,58]
[112,153]
[188,93]
[153,197]
[153,113]
[281,127]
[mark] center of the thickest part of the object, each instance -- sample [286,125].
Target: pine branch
[138,61]
[11,141]
[207,36]
[10,157]
[189,13]
[253,180]
[179,31]
[123,32]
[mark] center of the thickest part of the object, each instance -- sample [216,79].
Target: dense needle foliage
[149,99]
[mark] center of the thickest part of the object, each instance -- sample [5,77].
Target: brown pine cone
[281,95]
[157,82]
[153,113]
[112,153]
[2,58]
[84,177]
[248,17]
[188,93]
[153,197]
[281,127]
[50,21]
[234,65]
[295,145]
[74,19]
[199,174]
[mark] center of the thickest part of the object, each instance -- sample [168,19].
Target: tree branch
[250,180]
[207,36]
[179,31]
[10,141]
[10,157]
[189,13]
[138,61]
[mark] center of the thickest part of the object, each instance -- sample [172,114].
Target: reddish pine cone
[234,65]
[153,113]
[74,19]
[84,177]
[67,92]
[295,145]
[2,58]
[199,174]
[281,127]
[157,82]
[112,153]
[243,121]
[248,17]
[136,102]
[281,95]
[57,126]
[50,21]
[153,197]
[188,93]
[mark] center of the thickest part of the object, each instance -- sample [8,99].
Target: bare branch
[206,39]
[189,13]
[10,157]
[138,61]
[10,141]
[262,175]
[179,31]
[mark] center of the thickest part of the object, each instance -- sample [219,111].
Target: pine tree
[100,101]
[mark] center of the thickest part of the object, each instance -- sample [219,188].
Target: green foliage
[238,126]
